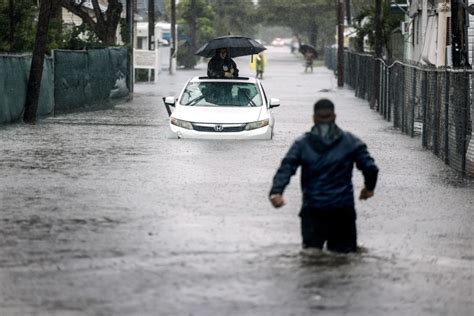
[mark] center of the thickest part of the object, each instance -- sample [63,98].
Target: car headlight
[255,125]
[181,123]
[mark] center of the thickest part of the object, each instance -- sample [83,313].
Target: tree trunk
[11,31]
[374,101]
[313,35]
[105,24]
[340,43]
[57,16]
[193,25]
[151,25]
[173,35]
[36,70]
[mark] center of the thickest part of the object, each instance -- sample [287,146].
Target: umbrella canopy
[238,46]
[307,48]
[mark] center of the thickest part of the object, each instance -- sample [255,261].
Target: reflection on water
[322,258]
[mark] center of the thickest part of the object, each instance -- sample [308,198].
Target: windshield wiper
[195,100]
[249,99]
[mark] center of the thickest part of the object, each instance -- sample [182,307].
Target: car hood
[204,114]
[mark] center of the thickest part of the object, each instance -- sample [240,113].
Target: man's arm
[288,167]
[366,164]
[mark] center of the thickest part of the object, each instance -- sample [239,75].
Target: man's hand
[277,200]
[228,74]
[365,194]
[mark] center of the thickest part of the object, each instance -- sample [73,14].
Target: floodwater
[102,214]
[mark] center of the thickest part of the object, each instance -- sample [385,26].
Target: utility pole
[378,54]
[340,43]
[173,35]
[131,42]
[348,12]
[193,25]
[151,25]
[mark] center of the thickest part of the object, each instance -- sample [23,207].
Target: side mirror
[274,103]
[169,101]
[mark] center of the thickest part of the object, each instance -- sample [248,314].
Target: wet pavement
[101,214]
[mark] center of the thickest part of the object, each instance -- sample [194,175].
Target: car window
[221,94]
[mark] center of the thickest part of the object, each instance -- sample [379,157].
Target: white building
[428,40]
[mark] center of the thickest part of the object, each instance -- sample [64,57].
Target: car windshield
[221,94]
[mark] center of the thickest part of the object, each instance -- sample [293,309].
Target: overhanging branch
[77,9]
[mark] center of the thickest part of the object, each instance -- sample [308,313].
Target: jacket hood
[324,136]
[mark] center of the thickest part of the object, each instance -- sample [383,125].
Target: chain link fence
[432,102]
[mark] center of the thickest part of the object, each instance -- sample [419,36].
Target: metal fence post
[446,118]
[389,103]
[465,121]
[412,127]
[434,127]
[403,99]
[424,101]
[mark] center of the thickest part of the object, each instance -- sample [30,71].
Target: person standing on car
[327,155]
[222,66]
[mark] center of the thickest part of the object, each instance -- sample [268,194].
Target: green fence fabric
[14,73]
[89,78]
[119,62]
[70,89]
[75,80]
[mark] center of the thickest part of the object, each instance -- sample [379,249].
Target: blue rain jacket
[326,156]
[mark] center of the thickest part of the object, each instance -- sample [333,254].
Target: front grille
[226,128]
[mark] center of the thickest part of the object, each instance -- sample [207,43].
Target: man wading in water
[326,155]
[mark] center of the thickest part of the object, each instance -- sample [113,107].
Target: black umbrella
[238,46]
[304,48]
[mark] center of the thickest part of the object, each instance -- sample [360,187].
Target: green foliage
[16,23]
[124,31]
[81,37]
[195,27]
[365,26]
[235,17]
[18,27]
[186,57]
[313,20]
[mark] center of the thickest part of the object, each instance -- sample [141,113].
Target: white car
[222,109]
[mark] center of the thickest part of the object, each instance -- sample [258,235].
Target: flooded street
[102,214]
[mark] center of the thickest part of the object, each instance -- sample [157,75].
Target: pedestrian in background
[257,63]
[260,61]
[308,58]
[326,155]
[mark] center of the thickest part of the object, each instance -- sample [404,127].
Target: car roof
[238,79]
